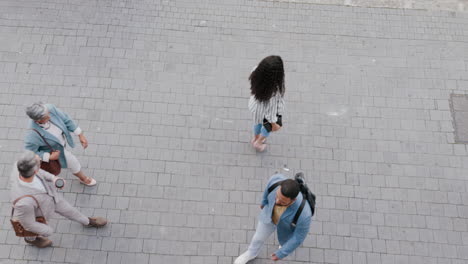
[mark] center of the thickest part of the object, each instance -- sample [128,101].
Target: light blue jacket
[35,143]
[289,238]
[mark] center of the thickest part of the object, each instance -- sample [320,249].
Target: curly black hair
[267,79]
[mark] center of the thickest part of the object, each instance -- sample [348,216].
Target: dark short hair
[290,188]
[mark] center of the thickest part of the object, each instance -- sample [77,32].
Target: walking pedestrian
[266,101]
[33,195]
[52,128]
[280,204]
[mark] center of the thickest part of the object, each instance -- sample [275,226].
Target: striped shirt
[268,110]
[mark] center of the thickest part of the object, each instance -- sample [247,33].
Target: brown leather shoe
[97,221]
[40,242]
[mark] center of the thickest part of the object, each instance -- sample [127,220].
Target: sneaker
[97,221]
[40,242]
[244,258]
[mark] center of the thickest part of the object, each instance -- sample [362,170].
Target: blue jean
[260,129]
[262,233]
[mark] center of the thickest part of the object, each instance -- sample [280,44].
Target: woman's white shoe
[91,183]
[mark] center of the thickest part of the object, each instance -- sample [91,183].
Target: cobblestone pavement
[447,5]
[160,89]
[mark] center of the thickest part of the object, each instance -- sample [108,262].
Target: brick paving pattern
[160,89]
[448,5]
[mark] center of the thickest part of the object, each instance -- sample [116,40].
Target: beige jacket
[27,209]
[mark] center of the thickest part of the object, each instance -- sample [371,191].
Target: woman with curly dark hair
[266,101]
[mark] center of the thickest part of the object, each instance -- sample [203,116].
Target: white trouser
[262,233]
[72,162]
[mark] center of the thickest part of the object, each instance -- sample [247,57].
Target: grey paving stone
[58,255]
[5,251]
[162,98]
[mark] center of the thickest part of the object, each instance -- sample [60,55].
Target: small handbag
[19,229]
[53,166]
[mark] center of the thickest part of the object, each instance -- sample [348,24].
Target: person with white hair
[33,194]
[48,123]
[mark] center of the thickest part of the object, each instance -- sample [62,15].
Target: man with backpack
[287,206]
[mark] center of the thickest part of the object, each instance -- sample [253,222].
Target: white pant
[72,162]
[262,233]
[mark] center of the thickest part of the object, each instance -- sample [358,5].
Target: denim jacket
[35,143]
[289,237]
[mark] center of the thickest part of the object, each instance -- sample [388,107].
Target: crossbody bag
[53,166]
[19,229]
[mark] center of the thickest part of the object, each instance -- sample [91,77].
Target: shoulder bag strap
[277,104]
[43,139]
[273,186]
[298,212]
[277,107]
[19,198]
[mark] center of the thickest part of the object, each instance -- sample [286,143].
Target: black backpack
[306,194]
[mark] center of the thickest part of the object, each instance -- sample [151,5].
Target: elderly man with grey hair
[34,192]
[48,123]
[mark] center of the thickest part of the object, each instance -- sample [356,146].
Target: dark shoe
[40,242]
[97,221]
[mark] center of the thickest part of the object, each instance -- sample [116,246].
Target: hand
[54,155]
[261,206]
[83,141]
[274,257]
[275,127]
